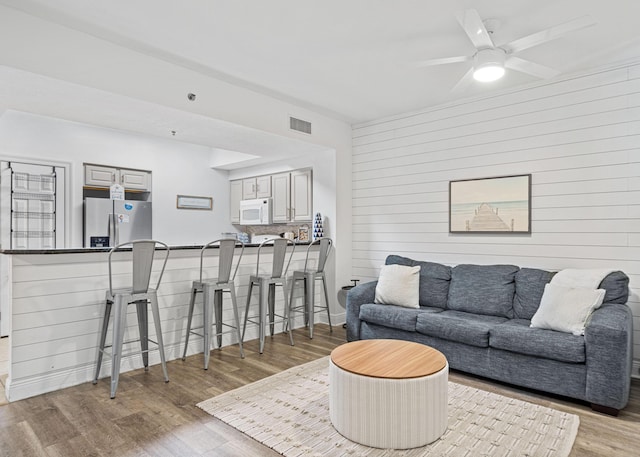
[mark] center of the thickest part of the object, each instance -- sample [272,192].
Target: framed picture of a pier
[490,205]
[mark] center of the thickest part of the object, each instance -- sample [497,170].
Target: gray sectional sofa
[479,316]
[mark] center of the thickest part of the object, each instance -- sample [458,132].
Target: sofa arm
[358,296]
[609,353]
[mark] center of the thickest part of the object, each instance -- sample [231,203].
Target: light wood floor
[151,418]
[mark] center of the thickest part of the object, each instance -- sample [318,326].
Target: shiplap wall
[579,138]
[58,304]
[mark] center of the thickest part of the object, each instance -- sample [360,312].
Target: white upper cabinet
[235,197]
[249,188]
[101,176]
[281,188]
[259,187]
[135,179]
[292,194]
[263,186]
[301,196]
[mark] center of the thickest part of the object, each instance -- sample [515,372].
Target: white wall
[69,55]
[177,168]
[579,138]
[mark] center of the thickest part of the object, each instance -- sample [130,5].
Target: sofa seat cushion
[394,316]
[458,326]
[515,335]
[483,289]
[434,280]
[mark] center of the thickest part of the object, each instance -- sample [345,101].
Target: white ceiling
[233,146]
[351,59]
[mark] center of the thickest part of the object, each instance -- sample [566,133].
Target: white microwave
[255,212]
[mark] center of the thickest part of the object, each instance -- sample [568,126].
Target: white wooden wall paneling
[58,304]
[593,100]
[544,91]
[596,113]
[579,137]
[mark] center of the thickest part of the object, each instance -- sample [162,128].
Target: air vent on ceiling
[299,125]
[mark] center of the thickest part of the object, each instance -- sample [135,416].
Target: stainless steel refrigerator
[112,222]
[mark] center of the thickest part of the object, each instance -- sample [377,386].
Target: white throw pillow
[399,285]
[566,309]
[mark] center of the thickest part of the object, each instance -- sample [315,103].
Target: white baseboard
[18,389]
[635,369]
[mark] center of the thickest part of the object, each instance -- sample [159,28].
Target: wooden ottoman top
[395,359]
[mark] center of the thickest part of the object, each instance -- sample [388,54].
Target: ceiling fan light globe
[488,64]
[488,73]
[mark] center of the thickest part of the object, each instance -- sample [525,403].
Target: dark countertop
[97,250]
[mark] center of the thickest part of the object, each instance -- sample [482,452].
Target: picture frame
[194,202]
[499,205]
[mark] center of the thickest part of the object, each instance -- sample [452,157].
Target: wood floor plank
[151,418]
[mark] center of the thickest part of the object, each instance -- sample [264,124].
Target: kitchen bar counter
[56,303]
[93,250]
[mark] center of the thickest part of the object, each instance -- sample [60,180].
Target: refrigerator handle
[116,227]
[111,230]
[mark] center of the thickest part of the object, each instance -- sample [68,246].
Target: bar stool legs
[119,324]
[309,282]
[266,308]
[119,306]
[236,317]
[192,303]
[212,299]
[143,328]
[155,310]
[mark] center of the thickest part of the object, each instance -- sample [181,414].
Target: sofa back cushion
[434,280]
[530,284]
[483,289]
[617,286]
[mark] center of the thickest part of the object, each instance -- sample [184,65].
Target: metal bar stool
[308,276]
[142,252]
[212,296]
[267,284]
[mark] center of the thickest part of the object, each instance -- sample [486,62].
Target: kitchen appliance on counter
[108,223]
[255,212]
[259,239]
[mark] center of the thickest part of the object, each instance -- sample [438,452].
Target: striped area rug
[289,412]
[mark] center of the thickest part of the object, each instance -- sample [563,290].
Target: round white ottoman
[388,393]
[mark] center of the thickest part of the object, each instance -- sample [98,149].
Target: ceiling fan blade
[531,68]
[442,61]
[464,83]
[473,26]
[548,34]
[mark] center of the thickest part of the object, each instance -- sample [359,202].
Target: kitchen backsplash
[274,229]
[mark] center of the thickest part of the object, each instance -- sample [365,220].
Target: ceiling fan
[490,61]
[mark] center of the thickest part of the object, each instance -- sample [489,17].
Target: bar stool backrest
[227,250]
[323,253]
[280,247]
[142,252]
